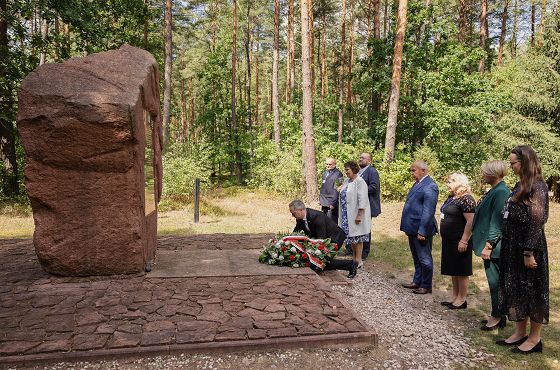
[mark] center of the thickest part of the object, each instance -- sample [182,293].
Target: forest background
[477,78]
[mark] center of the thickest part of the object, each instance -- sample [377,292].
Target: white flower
[317,252]
[295,265]
[274,255]
[271,262]
[278,245]
[281,258]
[293,249]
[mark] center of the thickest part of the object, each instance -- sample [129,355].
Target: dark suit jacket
[487,223]
[371,177]
[321,227]
[419,209]
[328,195]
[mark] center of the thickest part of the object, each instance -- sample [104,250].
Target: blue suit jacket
[371,177]
[419,209]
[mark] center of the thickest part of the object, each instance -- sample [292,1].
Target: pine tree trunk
[248,50]
[275,51]
[257,89]
[503,33]
[341,74]
[167,72]
[395,83]
[311,45]
[235,133]
[462,20]
[385,18]
[308,142]
[542,22]
[182,135]
[377,19]
[513,42]
[190,127]
[350,54]
[323,58]
[290,73]
[44,35]
[483,32]
[533,11]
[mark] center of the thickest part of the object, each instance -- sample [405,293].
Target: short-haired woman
[487,234]
[354,217]
[523,285]
[456,215]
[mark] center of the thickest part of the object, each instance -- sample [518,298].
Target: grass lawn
[244,211]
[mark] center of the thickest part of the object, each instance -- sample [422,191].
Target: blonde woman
[457,214]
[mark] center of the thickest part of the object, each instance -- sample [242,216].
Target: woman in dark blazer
[487,233]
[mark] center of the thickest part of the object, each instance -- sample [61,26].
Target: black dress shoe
[502,342]
[501,324]
[461,307]
[353,271]
[410,286]
[537,348]
[445,303]
[421,291]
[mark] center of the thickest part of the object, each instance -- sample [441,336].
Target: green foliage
[180,168]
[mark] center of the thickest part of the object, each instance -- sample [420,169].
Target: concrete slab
[205,262]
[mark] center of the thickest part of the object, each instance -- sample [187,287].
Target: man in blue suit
[371,177]
[419,224]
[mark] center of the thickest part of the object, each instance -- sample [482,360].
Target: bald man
[328,195]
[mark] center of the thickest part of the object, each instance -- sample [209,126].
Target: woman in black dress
[523,285]
[457,214]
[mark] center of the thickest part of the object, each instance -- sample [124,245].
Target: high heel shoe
[461,307]
[502,342]
[353,271]
[501,324]
[537,348]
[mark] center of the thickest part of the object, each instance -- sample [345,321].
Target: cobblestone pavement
[44,317]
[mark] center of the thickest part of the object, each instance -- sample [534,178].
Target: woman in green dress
[487,234]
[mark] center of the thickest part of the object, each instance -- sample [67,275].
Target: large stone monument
[91,130]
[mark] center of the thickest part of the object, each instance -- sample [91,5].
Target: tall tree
[513,42]
[395,82]
[275,52]
[248,56]
[376,18]
[341,73]
[308,141]
[542,21]
[503,33]
[533,11]
[235,133]
[483,32]
[167,71]
[350,53]
[462,20]
[290,59]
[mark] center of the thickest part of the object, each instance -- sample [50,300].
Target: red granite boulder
[91,130]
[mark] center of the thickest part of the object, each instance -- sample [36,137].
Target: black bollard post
[196,199]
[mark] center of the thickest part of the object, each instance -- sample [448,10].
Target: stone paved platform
[49,318]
